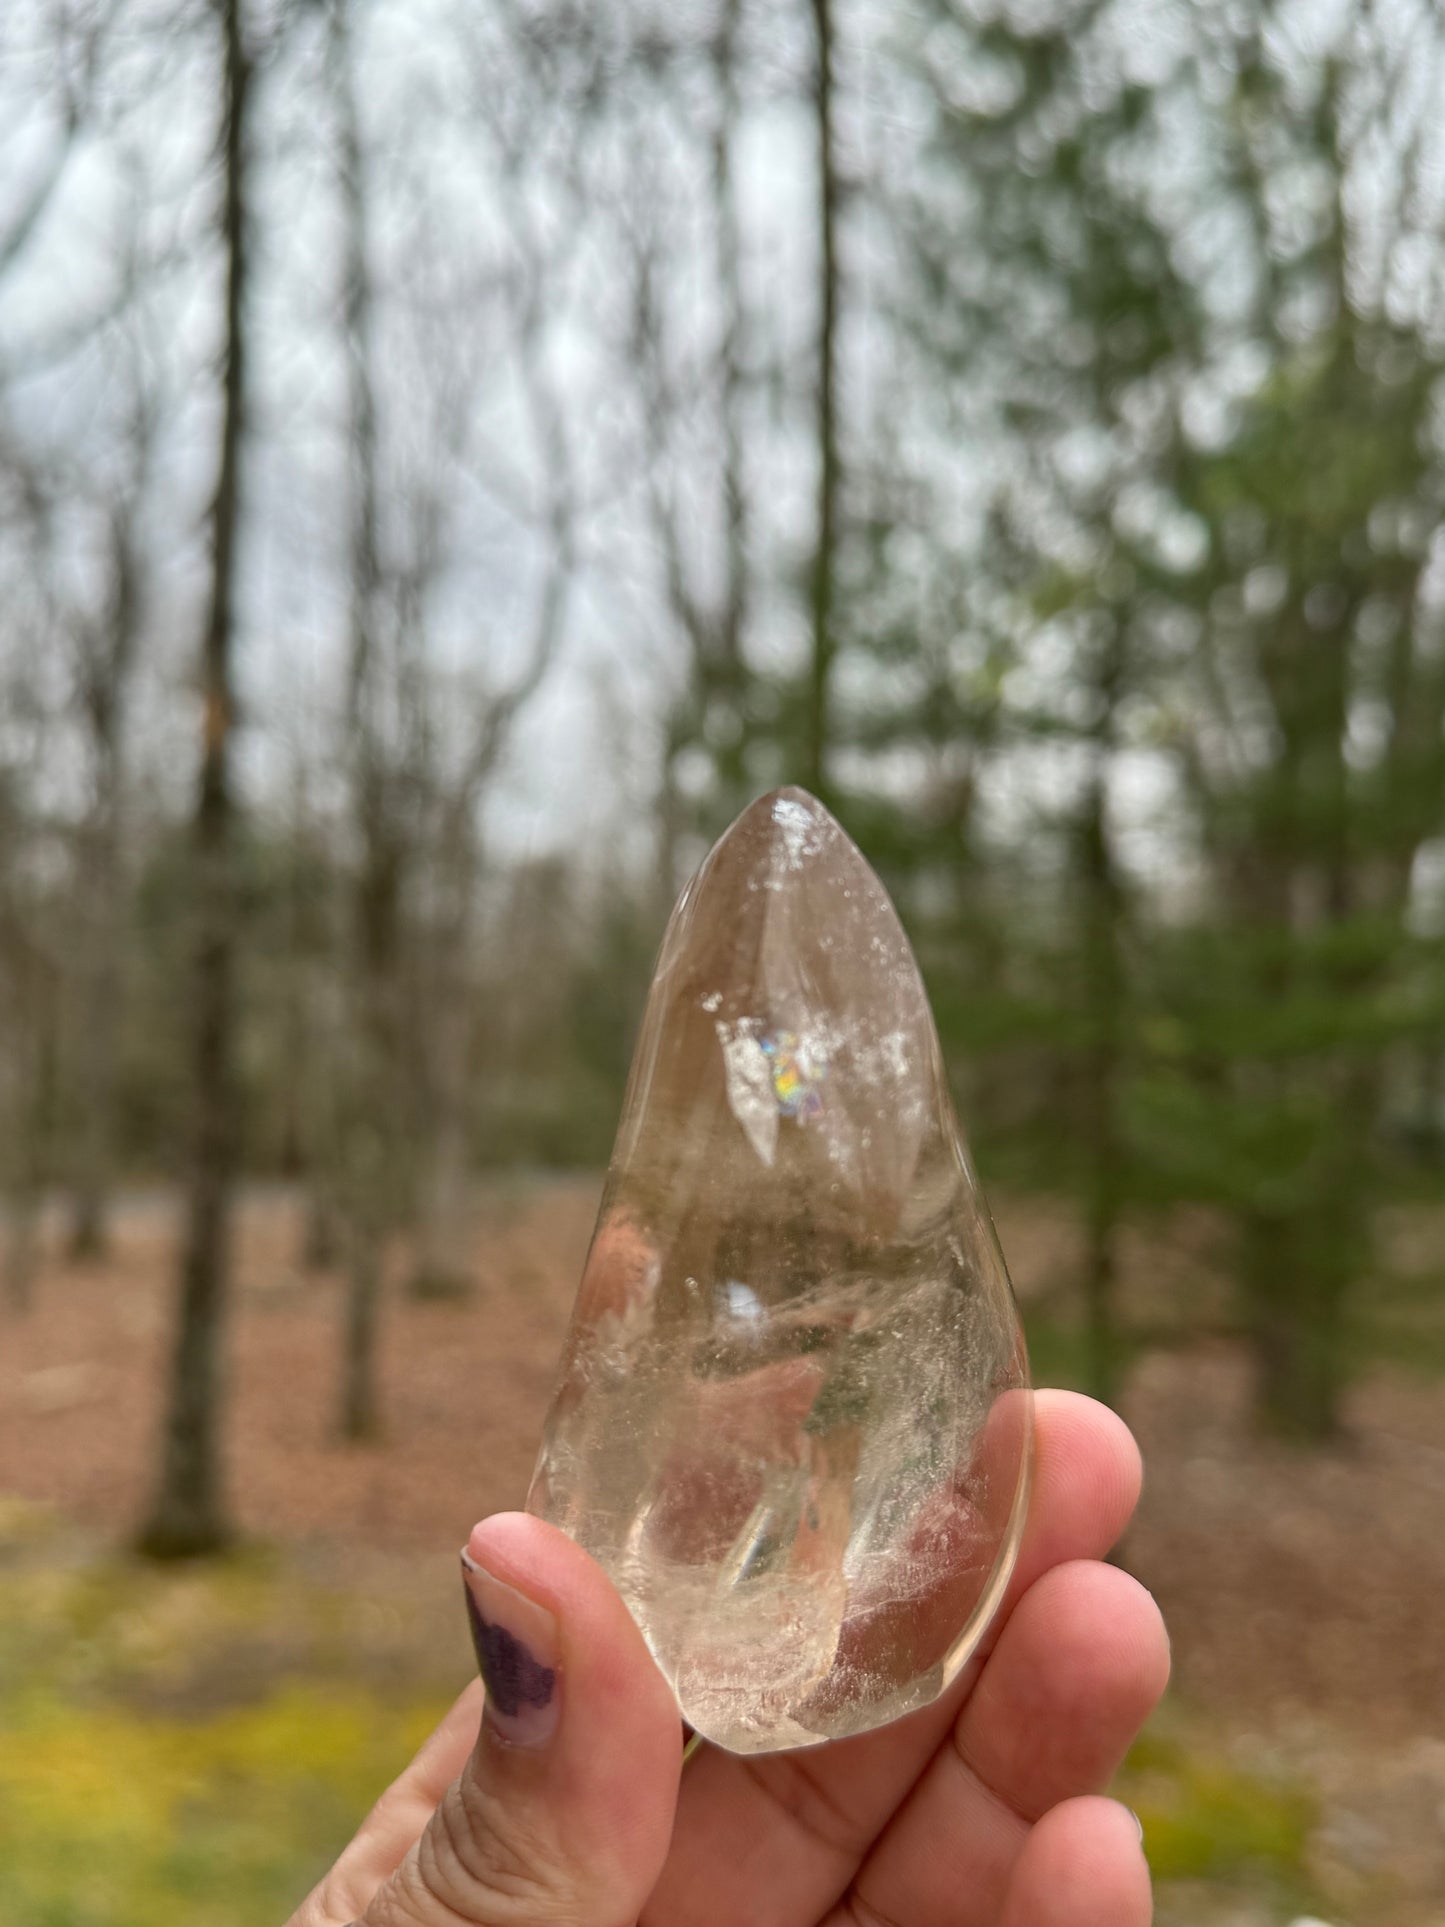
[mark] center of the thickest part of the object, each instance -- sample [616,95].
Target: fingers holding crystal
[1080,1665]
[764,1840]
[1087,1476]
[1075,1672]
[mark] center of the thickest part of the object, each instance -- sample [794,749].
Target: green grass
[114,1818]
[1204,1818]
[131,1793]
[1208,1820]
[154,1773]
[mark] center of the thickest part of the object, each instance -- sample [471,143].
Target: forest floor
[189,1746]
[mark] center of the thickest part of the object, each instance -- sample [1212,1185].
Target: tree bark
[1298,1279]
[33,1122]
[1103,987]
[107,674]
[826,417]
[360,1417]
[321,1240]
[369,1177]
[188,1514]
[1102,1148]
[716,708]
[443,1263]
[729,673]
[368,1174]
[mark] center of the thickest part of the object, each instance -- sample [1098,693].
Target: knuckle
[477,1866]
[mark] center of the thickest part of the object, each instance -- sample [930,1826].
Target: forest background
[452,457]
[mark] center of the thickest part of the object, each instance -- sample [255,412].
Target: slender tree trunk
[33,1136]
[731,668]
[443,1260]
[368,1176]
[316,1026]
[443,1265]
[360,1417]
[1103,986]
[1298,1287]
[99,996]
[1101,1133]
[22,1245]
[826,421]
[323,1118]
[105,658]
[1303,1263]
[716,707]
[188,1513]
[108,657]
[1304,1248]
[321,1236]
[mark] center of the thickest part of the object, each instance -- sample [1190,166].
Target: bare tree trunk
[89,1234]
[442,1261]
[731,669]
[106,674]
[829,471]
[368,1176]
[1103,985]
[33,1123]
[1298,1277]
[188,1513]
[321,1241]
[716,707]
[360,1418]
[22,1244]
[321,1126]
[443,1264]
[442,1225]
[310,1114]
[1102,1148]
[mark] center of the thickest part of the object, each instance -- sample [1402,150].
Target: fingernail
[1138,1823]
[518,1656]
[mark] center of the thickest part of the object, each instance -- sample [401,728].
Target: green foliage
[1222,577]
[1206,1818]
[128,1796]
[142,1786]
[114,1818]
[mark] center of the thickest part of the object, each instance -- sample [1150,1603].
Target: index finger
[775,1839]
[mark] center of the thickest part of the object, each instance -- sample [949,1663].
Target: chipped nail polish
[518,1655]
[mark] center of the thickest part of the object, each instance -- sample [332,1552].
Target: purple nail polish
[518,1656]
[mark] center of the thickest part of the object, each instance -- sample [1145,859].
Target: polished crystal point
[793,1421]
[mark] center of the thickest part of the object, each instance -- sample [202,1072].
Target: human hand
[570,1809]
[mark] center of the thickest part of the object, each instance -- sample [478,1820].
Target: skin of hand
[569,1807]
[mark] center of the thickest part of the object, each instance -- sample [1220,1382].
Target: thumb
[564,1811]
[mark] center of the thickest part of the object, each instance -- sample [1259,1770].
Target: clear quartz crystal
[793,1420]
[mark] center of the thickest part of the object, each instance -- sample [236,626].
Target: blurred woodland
[454,454]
